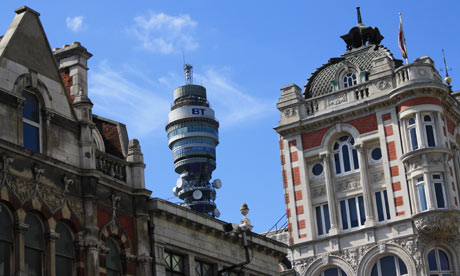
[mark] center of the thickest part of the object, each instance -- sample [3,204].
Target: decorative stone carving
[290,112]
[348,184]
[377,177]
[115,204]
[382,84]
[337,99]
[435,161]
[319,191]
[414,164]
[5,169]
[311,107]
[439,223]
[353,255]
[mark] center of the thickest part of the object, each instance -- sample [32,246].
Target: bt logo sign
[198,111]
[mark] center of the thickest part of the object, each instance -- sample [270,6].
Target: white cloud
[165,34]
[143,104]
[75,23]
[118,97]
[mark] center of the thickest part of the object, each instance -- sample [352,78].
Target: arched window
[345,158]
[65,252]
[112,260]
[439,263]
[335,271]
[31,122]
[349,80]
[34,245]
[412,133]
[6,241]
[389,266]
[428,124]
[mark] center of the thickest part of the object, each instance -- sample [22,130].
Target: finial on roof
[447,79]
[360,20]
[188,70]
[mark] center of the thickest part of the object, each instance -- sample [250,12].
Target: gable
[25,42]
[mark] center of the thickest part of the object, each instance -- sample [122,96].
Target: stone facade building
[72,191]
[370,165]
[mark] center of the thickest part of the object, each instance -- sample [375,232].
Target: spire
[447,79]
[360,20]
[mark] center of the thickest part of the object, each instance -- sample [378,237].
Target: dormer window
[31,122]
[349,80]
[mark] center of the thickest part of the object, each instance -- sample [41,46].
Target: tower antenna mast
[447,79]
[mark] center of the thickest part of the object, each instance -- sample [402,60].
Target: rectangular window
[381,201]
[413,138]
[31,121]
[439,191]
[323,223]
[203,269]
[174,264]
[421,194]
[352,211]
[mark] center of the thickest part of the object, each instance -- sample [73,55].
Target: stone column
[20,229]
[90,240]
[325,157]
[367,196]
[51,238]
[144,260]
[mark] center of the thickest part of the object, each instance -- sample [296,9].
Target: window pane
[355,159]
[112,259]
[378,202]
[64,245]
[346,158]
[337,163]
[387,208]
[343,211]
[5,224]
[362,214]
[439,195]
[413,138]
[444,260]
[402,267]
[33,262]
[317,169]
[430,135]
[353,212]
[327,221]
[432,261]
[427,118]
[411,121]
[5,258]
[387,265]
[422,197]
[376,154]
[31,137]
[30,109]
[331,272]
[319,222]
[64,266]
[375,271]
[33,237]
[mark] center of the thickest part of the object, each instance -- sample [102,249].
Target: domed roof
[320,82]
[363,45]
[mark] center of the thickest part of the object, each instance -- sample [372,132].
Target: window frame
[171,271]
[322,170]
[383,194]
[72,236]
[118,252]
[431,123]
[200,263]
[358,213]
[9,244]
[43,251]
[38,125]
[396,260]
[439,271]
[340,271]
[412,130]
[372,161]
[339,153]
[322,207]
[420,185]
[439,181]
[346,77]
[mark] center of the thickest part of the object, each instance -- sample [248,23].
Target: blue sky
[243,52]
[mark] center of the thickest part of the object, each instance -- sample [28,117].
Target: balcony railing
[111,165]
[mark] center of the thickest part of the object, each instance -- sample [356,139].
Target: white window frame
[422,183]
[347,210]
[32,123]
[438,262]
[440,181]
[384,207]
[349,75]
[323,221]
[417,135]
[396,260]
[431,123]
[339,152]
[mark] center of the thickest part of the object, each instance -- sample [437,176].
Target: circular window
[317,169]
[376,154]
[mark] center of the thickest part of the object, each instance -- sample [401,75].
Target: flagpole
[402,40]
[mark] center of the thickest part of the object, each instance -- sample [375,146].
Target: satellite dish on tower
[175,191]
[197,194]
[217,183]
[180,183]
